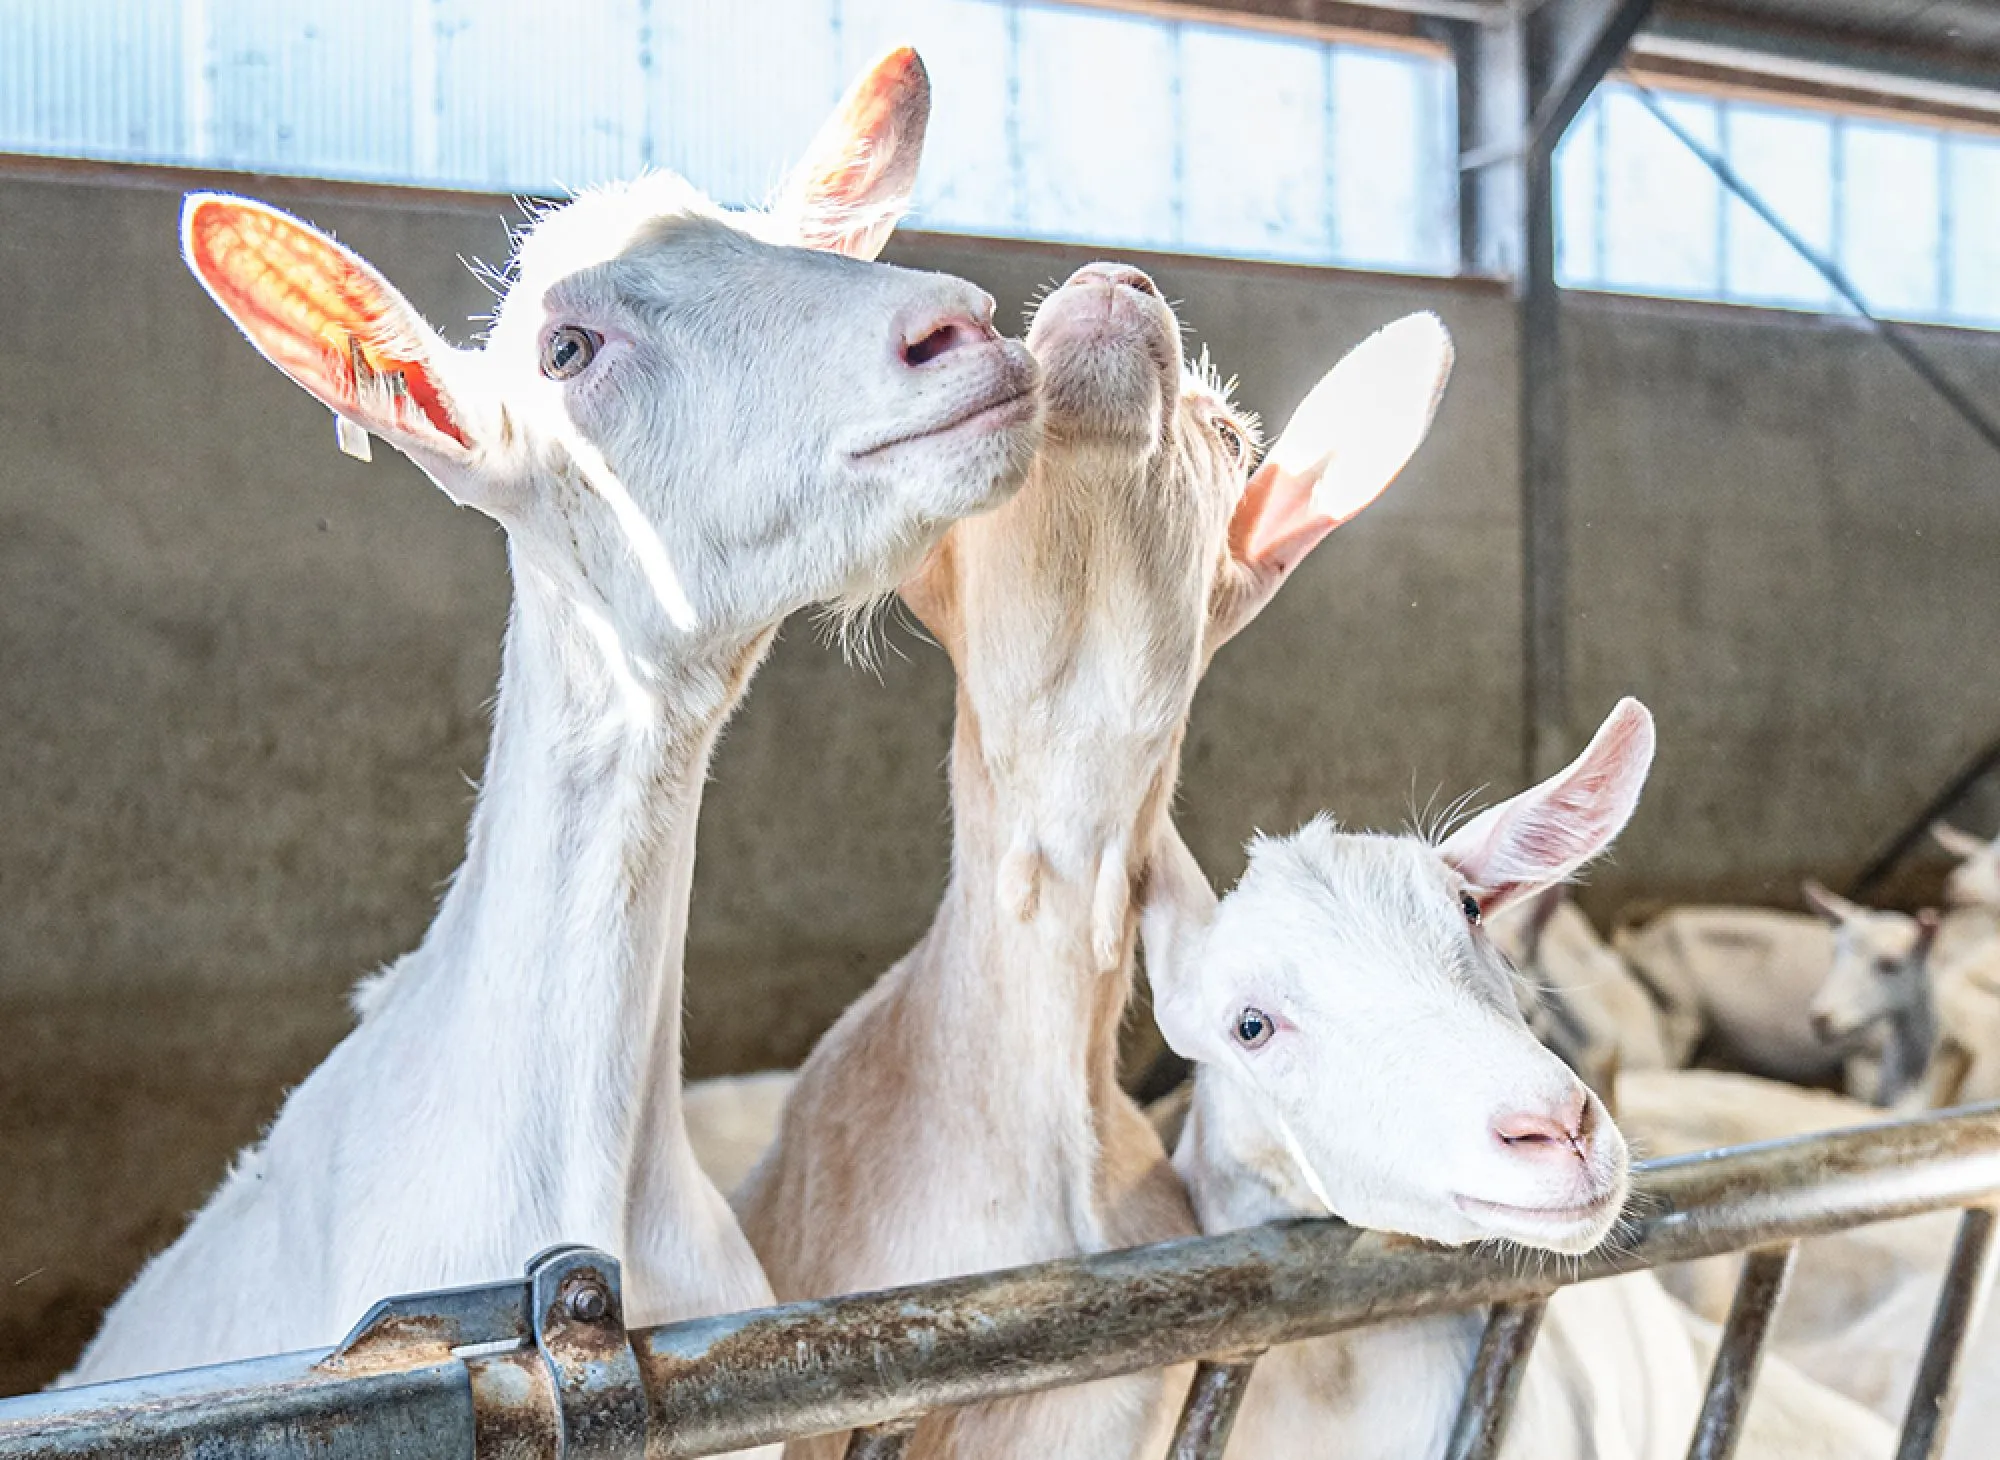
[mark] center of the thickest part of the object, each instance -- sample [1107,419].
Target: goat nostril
[944,337]
[1522,1129]
[1531,1132]
[1124,274]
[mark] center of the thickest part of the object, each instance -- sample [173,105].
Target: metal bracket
[579,1323]
[569,1308]
[421,1327]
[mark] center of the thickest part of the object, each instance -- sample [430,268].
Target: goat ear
[1961,844]
[854,186]
[1176,908]
[1829,904]
[1547,833]
[327,319]
[1342,447]
[1929,925]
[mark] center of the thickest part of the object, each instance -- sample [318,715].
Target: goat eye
[1232,439]
[1469,905]
[568,351]
[1253,1028]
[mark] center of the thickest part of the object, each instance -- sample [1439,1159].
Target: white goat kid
[687,432]
[965,1113]
[1359,1053]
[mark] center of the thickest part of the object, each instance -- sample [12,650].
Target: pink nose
[1548,1134]
[931,336]
[1124,274]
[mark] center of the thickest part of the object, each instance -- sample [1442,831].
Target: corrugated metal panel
[538,96]
[1049,120]
[739,90]
[320,89]
[93,78]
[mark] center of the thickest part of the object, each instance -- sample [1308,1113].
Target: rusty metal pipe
[1741,1352]
[1495,1381]
[832,1365]
[727,1383]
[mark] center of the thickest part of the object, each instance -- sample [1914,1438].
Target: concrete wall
[241,677]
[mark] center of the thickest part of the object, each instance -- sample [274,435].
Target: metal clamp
[579,1325]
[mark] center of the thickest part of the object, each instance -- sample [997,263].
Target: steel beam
[1522,80]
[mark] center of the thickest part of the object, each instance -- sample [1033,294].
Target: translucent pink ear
[325,317]
[1961,844]
[1834,908]
[854,186]
[1345,443]
[1546,834]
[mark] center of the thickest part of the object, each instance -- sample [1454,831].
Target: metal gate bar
[1210,1412]
[1495,1381]
[1741,1352]
[1960,1301]
[881,1442]
[727,1383]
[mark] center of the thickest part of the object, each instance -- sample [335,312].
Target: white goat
[965,1113]
[1935,1016]
[1359,1053]
[687,432]
[1744,977]
[1877,1003]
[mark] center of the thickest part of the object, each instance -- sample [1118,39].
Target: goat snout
[1552,1133]
[938,332]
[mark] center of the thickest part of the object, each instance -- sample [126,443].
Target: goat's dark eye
[1232,439]
[568,351]
[1253,1028]
[1469,905]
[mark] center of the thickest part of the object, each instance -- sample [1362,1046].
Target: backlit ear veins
[317,313]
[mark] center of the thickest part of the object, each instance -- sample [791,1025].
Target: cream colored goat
[965,1113]
[1584,1000]
[1744,977]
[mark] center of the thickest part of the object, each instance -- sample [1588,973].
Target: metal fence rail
[543,1367]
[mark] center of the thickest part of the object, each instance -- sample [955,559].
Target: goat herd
[1082,521]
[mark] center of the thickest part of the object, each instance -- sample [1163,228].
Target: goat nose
[1822,1026]
[1124,274]
[938,332]
[1556,1131]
